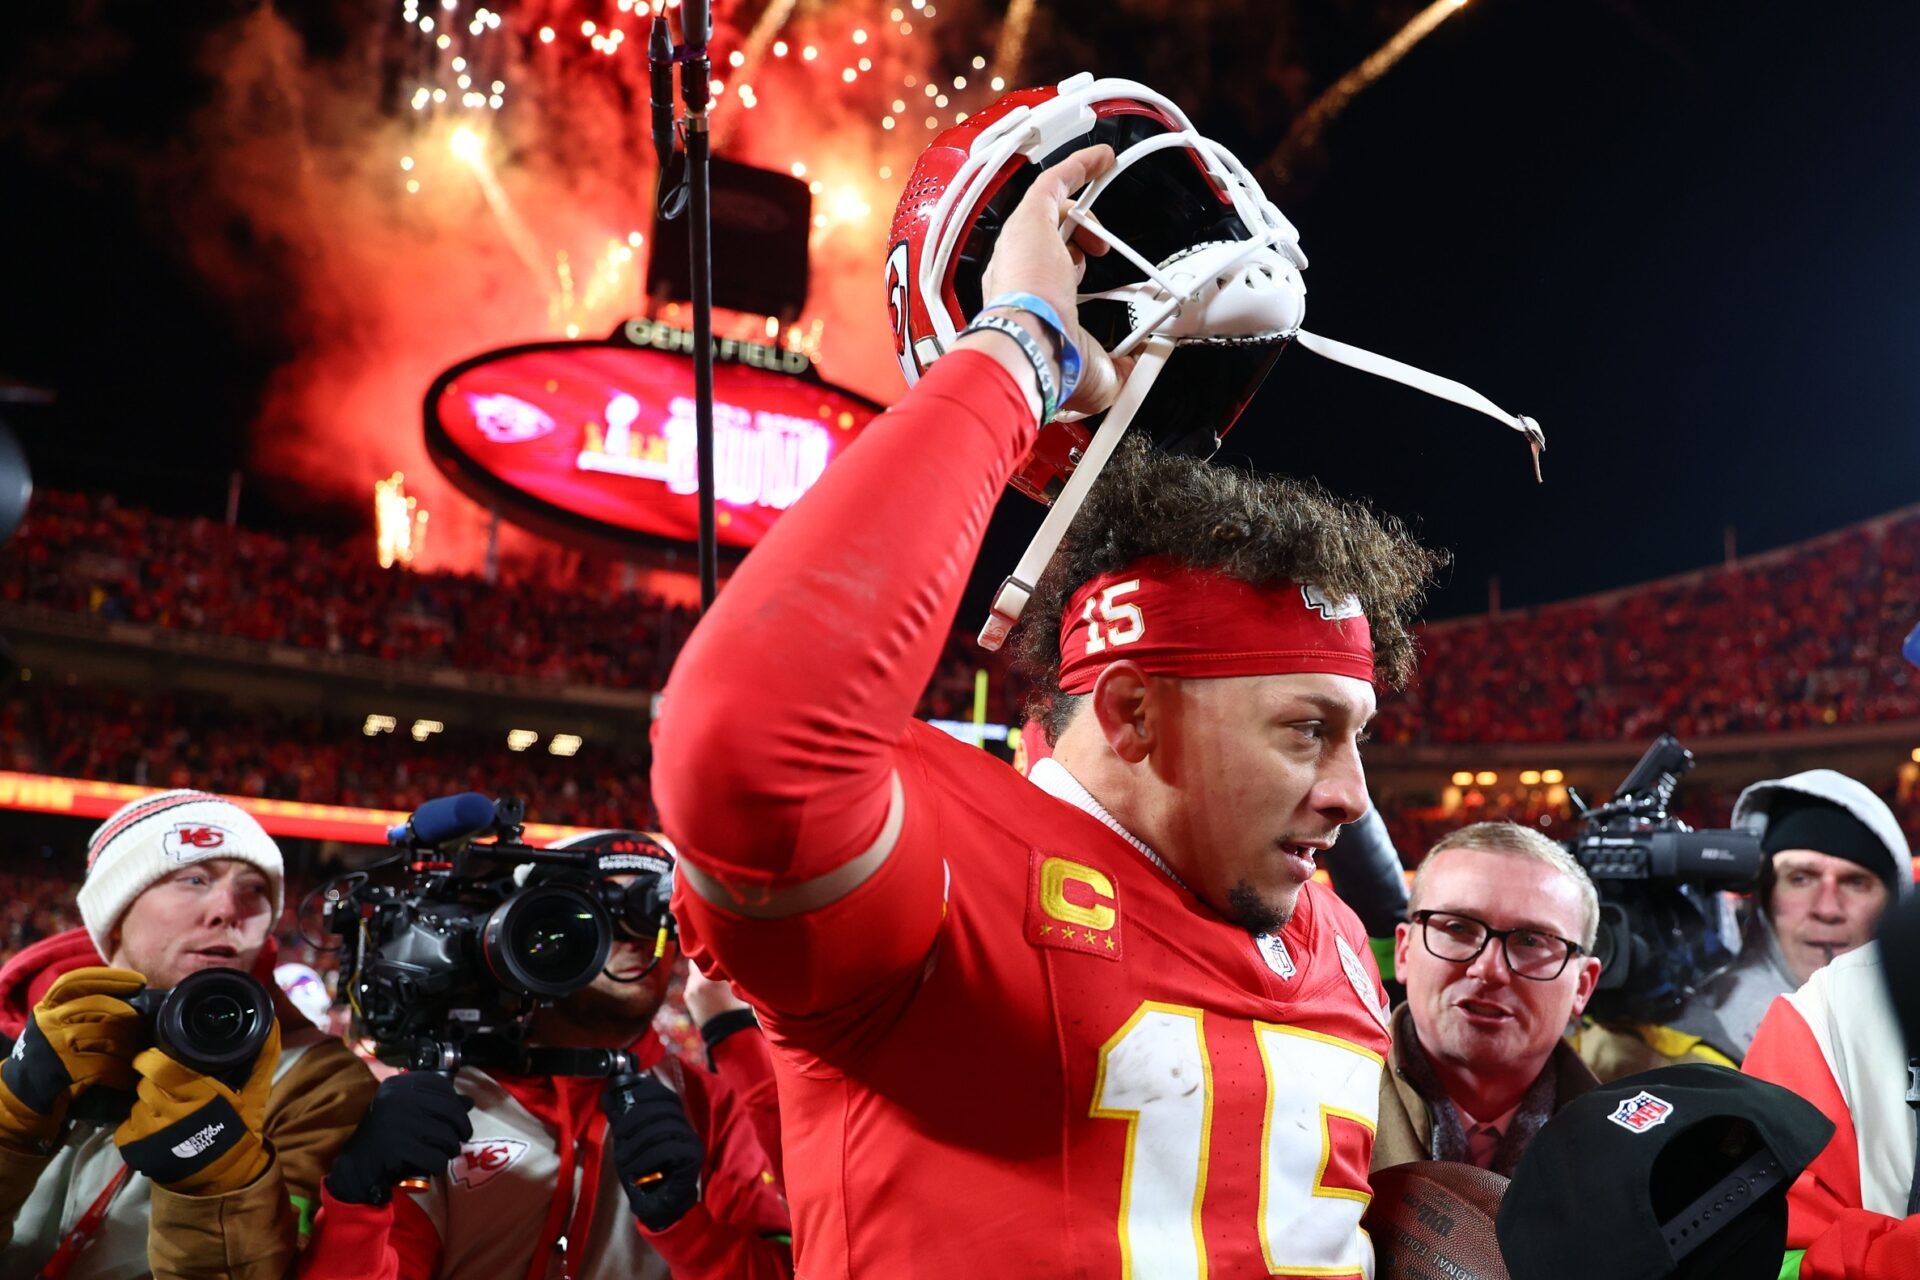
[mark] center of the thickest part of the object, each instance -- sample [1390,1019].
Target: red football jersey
[1089,1073]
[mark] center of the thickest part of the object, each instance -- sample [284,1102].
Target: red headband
[1179,621]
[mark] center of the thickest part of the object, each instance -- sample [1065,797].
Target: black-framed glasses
[1531,953]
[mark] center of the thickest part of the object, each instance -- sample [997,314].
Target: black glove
[415,1125]
[655,1149]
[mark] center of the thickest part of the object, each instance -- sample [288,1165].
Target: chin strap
[1011,600]
[1433,384]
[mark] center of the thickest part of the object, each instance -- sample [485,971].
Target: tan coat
[1406,1122]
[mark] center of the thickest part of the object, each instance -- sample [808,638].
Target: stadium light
[1464,778]
[1529,777]
[563,744]
[1552,777]
[424,729]
[1486,777]
[1914,755]
[521,739]
[377,724]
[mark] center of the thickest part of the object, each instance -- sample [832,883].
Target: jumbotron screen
[596,439]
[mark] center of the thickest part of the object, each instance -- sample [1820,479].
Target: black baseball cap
[1673,1174]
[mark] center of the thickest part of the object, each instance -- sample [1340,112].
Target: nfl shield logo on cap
[1641,1112]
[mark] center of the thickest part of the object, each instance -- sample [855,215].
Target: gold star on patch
[1045,929]
[1109,943]
[1089,933]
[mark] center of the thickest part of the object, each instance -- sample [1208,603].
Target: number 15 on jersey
[1323,1100]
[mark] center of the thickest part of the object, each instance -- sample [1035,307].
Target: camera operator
[543,1174]
[204,1175]
[1835,860]
[1497,956]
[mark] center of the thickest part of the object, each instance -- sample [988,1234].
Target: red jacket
[739,1231]
[1836,1043]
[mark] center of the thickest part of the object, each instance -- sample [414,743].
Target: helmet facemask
[1199,265]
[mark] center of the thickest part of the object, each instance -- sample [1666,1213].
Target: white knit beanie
[147,840]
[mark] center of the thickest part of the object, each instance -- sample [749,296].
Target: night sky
[1681,235]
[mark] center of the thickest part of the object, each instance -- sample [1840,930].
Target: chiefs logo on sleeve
[1072,906]
[484,1159]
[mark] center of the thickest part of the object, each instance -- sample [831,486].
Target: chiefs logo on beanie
[147,840]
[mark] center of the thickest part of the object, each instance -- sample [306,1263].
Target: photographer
[1835,859]
[189,1174]
[540,1174]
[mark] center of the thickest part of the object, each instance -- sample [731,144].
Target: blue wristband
[1029,347]
[1063,349]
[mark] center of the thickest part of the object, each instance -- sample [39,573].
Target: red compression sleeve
[775,743]
[745,1062]
[741,1229]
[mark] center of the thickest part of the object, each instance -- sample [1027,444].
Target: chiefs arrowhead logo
[191,841]
[1329,607]
[484,1159]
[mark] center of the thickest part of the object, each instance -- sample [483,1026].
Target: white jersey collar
[1052,777]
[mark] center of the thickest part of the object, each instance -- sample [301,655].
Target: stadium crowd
[1801,638]
[199,740]
[89,554]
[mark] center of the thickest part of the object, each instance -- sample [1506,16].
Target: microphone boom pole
[695,76]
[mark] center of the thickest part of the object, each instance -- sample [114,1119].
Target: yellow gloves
[81,1034]
[193,1133]
[190,1132]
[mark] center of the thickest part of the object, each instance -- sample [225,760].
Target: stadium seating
[1796,640]
[1799,639]
[202,741]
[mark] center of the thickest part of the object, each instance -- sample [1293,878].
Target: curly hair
[1257,528]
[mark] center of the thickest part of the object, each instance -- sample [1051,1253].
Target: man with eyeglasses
[1496,957]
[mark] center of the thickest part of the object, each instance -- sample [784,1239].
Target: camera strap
[572,1134]
[84,1230]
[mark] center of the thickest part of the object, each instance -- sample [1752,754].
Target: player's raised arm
[774,752]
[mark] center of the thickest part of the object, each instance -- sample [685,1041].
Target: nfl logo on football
[1641,1112]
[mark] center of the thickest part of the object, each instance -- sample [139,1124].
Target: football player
[1099,1022]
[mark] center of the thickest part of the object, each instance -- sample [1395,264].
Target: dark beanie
[1796,821]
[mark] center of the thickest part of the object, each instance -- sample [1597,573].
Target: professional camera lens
[219,1017]
[214,1021]
[548,940]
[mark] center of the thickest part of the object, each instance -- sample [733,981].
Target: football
[1433,1220]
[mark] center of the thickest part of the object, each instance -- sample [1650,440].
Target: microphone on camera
[445,820]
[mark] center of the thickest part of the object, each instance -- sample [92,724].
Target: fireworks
[1306,130]
[400,524]
[493,185]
